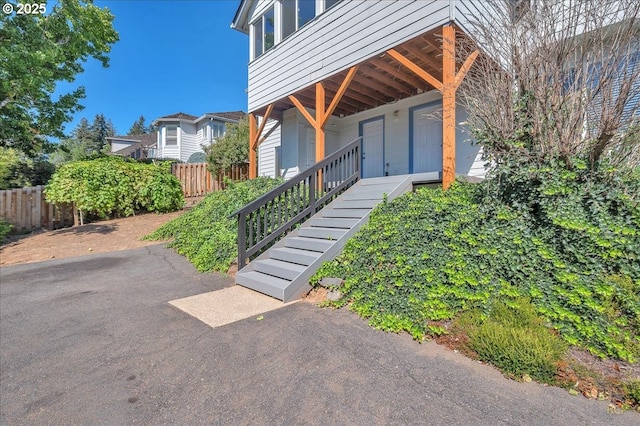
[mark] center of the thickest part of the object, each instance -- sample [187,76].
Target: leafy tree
[18,171]
[139,126]
[36,52]
[230,149]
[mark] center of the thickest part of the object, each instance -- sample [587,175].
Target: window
[217,130]
[296,13]
[171,137]
[306,11]
[263,33]
[330,3]
[288,18]
[204,132]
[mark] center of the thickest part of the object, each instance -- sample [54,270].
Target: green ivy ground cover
[430,255]
[206,235]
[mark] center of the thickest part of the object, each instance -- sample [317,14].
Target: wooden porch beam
[431,61]
[320,120]
[464,69]
[253,155]
[416,69]
[254,139]
[336,99]
[390,69]
[448,106]
[387,82]
[303,110]
[266,135]
[262,124]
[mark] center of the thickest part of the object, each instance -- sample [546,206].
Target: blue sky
[173,56]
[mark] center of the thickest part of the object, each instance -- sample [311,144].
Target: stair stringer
[300,284]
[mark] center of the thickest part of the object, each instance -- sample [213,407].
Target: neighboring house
[181,135]
[135,146]
[382,71]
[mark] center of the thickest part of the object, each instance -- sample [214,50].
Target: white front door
[372,133]
[427,140]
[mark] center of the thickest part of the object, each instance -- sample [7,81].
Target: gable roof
[180,116]
[146,139]
[230,116]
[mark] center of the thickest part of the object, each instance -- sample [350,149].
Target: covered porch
[401,102]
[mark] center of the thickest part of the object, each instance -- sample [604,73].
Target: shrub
[5,229]
[230,149]
[567,239]
[515,339]
[632,390]
[206,235]
[114,186]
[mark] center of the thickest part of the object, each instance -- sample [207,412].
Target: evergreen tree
[101,129]
[138,127]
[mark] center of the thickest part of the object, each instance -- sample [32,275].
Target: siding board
[336,40]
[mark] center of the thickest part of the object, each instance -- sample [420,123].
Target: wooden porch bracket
[448,87]
[254,140]
[323,114]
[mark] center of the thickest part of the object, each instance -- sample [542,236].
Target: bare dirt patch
[97,237]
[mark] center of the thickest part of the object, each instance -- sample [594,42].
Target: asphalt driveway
[92,340]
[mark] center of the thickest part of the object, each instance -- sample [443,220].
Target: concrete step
[267,284]
[345,213]
[292,255]
[330,234]
[355,204]
[278,268]
[311,244]
[368,195]
[330,222]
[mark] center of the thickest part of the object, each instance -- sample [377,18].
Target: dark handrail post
[312,193]
[242,240]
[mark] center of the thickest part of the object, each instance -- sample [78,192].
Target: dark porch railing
[265,220]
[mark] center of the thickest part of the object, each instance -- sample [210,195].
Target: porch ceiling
[379,80]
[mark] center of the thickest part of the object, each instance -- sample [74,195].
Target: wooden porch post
[448,106]
[322,113]
[448,86]
[320,121]
[255,140]
[253,154]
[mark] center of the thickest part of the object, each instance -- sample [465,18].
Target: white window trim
[164,136]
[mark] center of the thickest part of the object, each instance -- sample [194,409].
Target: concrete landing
[226,306]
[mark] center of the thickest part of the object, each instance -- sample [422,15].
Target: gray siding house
[296,44]
[181,135]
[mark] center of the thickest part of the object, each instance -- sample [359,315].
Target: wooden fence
[197,180]
[26,209]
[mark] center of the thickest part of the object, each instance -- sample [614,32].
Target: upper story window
[291,16]
[171,137]
[329,3]
[296,13]
[217,130]
[264,33]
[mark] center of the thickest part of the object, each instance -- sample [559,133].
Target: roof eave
[239,22]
